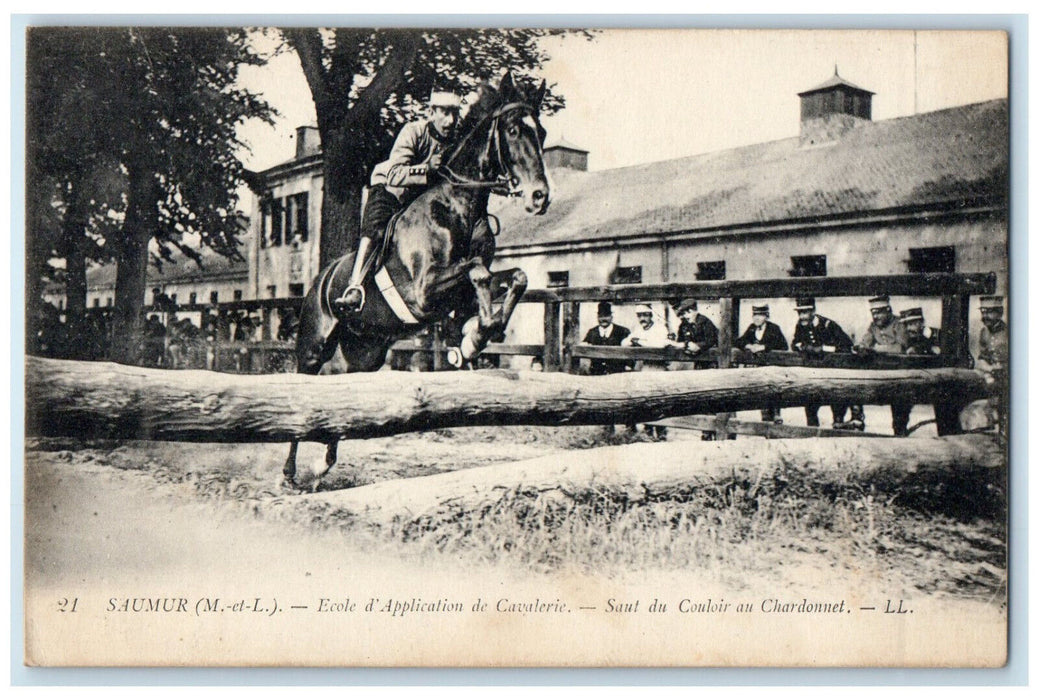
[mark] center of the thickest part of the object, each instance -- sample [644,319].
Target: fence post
[265,333]
[729,320]
[438,346]
[571,335]
[551,358]
[955,346]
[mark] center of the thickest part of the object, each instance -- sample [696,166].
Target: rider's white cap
[446,99]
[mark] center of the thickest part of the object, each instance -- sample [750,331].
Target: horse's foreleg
[516,286]
[476,335]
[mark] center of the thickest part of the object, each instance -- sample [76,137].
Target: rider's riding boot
[352,300]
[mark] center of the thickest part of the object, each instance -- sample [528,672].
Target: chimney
[308,141]
[831,109]
[565,155]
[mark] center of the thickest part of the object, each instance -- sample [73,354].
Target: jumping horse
[432,267]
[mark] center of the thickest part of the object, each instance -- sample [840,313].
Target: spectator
[649,334]
[696,333]
[607,333]
[920,339]
[763,336]
[994,356]
[154,342]
[288,324]
[993,341]
[886,334]
[813,336]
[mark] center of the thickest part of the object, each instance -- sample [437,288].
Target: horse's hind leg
[315,345]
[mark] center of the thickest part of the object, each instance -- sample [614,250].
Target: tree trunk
[102,400]
[73,234]
[132,267]
[643,472]
[344,177]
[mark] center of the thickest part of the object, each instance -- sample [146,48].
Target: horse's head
[520,140]
[502,146]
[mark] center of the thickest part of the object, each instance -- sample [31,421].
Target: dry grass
[949,538]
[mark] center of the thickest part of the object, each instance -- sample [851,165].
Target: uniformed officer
[994,355]
[606,333]
[416,155]
[763,336]
[813,336]
[886,334]
[920,338]
[993,341]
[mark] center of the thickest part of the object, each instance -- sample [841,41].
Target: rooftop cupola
[833,108]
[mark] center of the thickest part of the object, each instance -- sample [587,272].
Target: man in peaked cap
[994,355]
[606,333]
[815,335]
[886,334]
[993,342]
[920,338]
[415,157]
[763,336]
[696,333]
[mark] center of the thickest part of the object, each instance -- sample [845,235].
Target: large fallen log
[104,400]
[652,471]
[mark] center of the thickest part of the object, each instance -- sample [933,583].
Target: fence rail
[561,348]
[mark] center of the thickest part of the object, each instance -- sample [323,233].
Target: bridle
[504,183]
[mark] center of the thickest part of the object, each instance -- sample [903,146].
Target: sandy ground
[110,524]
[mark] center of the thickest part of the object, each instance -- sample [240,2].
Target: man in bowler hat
[606,333]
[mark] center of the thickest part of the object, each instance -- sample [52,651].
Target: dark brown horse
[433,266]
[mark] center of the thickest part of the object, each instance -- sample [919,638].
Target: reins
[503,181]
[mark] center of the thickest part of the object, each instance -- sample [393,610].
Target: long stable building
[847,196]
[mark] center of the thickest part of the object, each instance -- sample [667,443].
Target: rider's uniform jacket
[408,164]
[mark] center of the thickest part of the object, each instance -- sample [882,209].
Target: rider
[415,157]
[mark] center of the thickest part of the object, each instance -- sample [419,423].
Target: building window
[714,270]
[939,259]
[277,221]
[296,290]
[108,301]
[296,217]
[213,296]
[627,275]
[193,298]
[238,295]
[559,278]
[97,302]
[808,266]
[272,291]
[265,218]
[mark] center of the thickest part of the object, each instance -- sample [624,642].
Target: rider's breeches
[380,208]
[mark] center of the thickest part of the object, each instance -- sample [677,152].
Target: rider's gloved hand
[433,164]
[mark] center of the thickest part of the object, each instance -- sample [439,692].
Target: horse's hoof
[454,357]
[288,484]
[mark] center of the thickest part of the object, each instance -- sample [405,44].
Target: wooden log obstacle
[105,400]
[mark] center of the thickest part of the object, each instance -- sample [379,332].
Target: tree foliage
[367,82]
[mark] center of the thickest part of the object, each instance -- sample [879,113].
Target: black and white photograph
[392,346]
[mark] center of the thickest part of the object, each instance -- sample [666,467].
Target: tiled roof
[185,270]
[834,81]
[952,157]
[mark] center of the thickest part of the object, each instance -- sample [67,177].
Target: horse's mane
[487,100]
